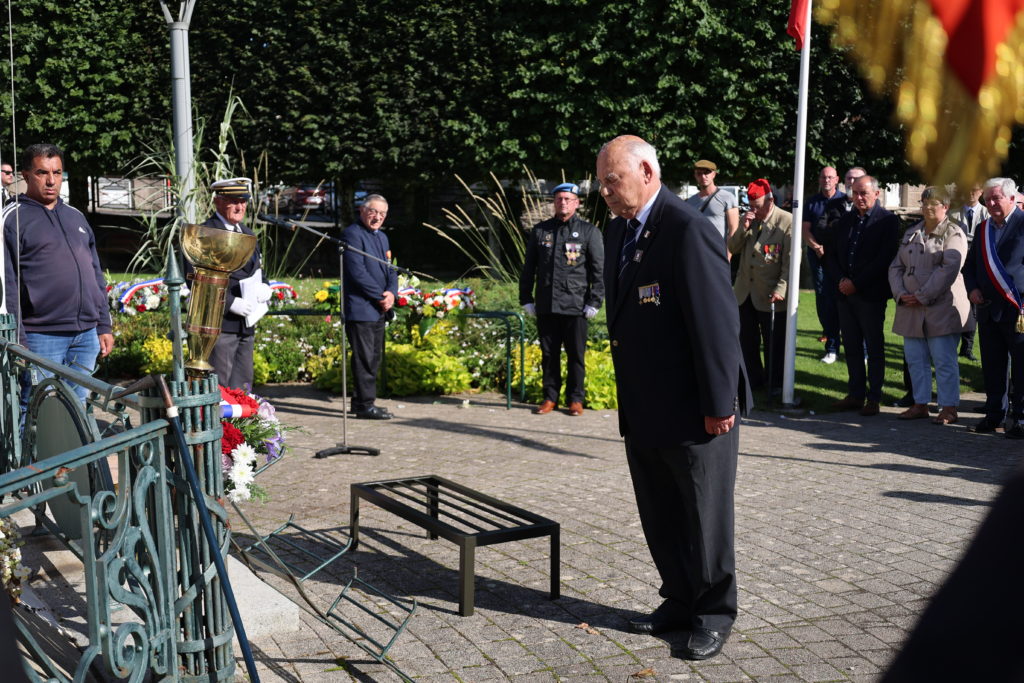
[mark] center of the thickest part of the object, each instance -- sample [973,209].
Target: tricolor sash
[1001,280]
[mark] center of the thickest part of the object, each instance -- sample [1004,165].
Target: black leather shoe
[905,401]
[374,413]
[969,355]
[703,644]
[1015,432]
[662,620]
[984,426]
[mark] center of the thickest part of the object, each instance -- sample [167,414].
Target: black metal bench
[459,514]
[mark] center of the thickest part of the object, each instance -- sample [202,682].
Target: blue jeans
[920,353]
[77,350]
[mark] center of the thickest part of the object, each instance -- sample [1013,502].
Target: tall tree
[89,77]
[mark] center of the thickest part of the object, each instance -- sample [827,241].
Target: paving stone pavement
[845,526]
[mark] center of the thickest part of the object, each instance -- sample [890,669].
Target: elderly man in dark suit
[674,330]
[865,243]
[994,276]
[246,295]
[370,290]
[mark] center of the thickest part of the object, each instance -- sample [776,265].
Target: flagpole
[796,240]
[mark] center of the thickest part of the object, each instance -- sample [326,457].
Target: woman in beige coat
[932,308]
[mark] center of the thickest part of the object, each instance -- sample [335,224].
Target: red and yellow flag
[955,69]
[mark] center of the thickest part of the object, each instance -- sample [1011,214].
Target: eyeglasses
[376,212]
[927,204]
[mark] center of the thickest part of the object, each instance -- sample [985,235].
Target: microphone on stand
[279,222]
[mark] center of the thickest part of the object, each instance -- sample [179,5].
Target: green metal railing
[155,606]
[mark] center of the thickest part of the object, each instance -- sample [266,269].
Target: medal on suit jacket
[1001,280]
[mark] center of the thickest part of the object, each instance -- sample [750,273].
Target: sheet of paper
[250,286]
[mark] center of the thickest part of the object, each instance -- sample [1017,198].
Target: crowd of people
[684,376]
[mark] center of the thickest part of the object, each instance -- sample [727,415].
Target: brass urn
[214,254]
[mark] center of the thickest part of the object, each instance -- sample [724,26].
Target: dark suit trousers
[1002,349]
[825,301]
[861,324]
[556,331]
[756,334]
[685,499]
[367,342]
[231,359]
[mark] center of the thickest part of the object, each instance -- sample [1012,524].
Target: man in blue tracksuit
[53,283]
[370,288]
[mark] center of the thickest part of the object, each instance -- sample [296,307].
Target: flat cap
[704,163]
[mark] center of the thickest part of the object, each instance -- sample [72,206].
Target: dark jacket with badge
[53,251]
[563,269]
[674,328]
[764,253]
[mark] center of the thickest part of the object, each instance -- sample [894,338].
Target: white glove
[589,312]
[263,293]
[530,310]
[241,307]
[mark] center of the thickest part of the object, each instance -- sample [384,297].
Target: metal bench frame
[430,501]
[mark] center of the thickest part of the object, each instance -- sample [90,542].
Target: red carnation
[232,438]
[243,399]
[140,308]
[280,294]
[402,301]
[156,290]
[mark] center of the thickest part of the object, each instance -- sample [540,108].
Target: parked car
[304,198]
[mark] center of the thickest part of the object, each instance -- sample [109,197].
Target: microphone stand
[344,446]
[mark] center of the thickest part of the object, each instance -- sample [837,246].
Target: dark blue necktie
[970,217]
[628,246]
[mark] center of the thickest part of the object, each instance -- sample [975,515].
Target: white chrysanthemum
[152,302]
[243,455]
[239,495]
[242,475]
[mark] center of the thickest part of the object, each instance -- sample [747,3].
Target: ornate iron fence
[139,540]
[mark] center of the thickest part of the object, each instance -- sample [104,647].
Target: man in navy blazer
[370,289]
[993,278]
[674,331]
[865,242]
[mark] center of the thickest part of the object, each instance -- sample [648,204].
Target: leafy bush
[599,384]
[412,370]
[130,334]
[157,354]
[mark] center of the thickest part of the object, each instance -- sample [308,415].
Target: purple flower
[275,447]
[266,411]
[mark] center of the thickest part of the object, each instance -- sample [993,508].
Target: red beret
[759,188]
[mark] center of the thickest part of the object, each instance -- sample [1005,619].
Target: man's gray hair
[871,180]
[1007,185]
[374,198]
[641,151]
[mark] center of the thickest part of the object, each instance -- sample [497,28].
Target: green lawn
[817,385]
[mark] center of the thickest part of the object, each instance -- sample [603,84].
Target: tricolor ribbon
[130,292]
[996,272]
[230,408]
